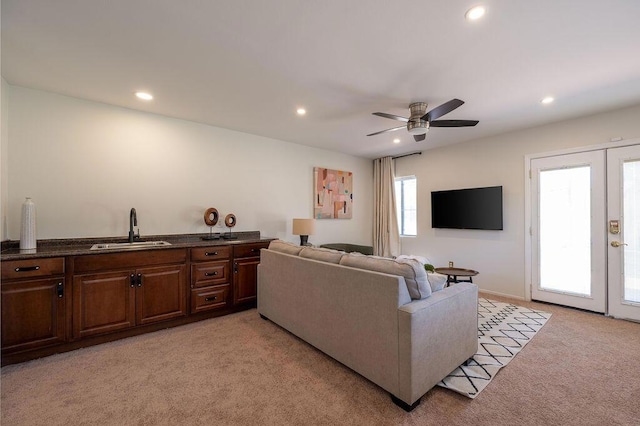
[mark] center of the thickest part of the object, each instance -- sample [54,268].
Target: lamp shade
[304,226]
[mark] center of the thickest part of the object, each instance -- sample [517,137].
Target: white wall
[85,164]
[497,255]
[4,148]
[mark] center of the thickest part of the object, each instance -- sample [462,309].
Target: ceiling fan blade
[419,138]
[391,116]
[453,123]
[388,130]
[443,109]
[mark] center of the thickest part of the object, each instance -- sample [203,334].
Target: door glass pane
[631,229]
[565,230]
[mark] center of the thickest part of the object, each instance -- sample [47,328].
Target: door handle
[618,244]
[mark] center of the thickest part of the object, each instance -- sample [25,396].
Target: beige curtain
[386,238]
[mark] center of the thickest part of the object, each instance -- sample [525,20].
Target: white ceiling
[247,65]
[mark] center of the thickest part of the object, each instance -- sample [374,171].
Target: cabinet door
[103,302]
[161,293]
[32,314]
[245,277]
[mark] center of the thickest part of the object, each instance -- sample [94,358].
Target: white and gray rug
[503,330]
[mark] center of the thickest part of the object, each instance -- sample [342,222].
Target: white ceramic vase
[28,228]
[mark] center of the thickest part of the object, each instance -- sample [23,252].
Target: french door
[586,230]
[623,179]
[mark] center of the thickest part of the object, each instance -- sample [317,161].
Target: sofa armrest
[436,335]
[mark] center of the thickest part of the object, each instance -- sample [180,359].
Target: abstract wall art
[333,197]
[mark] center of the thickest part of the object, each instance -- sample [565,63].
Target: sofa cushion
[285,247]
[437,281]
[413,272]
[322,254]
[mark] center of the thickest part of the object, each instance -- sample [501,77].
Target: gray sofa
[382,325]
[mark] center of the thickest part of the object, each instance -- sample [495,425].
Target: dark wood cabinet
[33,301]
[56,304]
[210,278]
[105,301]
[246,258]
[161,294]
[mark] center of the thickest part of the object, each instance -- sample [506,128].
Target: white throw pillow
[436,281]
[420,259]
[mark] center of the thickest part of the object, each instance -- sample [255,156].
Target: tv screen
[473,208]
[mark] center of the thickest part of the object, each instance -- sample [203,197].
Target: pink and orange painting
[333,198]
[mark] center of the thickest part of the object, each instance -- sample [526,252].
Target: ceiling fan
[420,121]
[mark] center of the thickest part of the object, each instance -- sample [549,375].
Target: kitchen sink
[129,246]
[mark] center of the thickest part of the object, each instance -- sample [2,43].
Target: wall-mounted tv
[473,208]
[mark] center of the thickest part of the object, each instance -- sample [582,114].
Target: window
[406,205]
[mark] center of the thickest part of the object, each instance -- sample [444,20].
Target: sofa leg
[406,407]
[263,317]
[467,362]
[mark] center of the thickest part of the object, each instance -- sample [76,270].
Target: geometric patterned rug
[503,330]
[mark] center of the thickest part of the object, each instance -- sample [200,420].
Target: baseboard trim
[496,293]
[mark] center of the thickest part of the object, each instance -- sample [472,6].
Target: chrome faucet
[133,221]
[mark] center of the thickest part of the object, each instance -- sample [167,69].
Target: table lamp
[304,228]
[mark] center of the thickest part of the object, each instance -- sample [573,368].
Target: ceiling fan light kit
[416,125]
[420,121]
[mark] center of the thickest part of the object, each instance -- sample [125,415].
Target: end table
[453,274]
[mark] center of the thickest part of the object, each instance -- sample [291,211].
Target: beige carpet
[581,369]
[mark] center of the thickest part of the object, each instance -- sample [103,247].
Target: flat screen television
[473,208]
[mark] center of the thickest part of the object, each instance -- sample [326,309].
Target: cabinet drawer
[128,260]
[208,298]
[209,273]
[249,250]
[32,268]
[210,253]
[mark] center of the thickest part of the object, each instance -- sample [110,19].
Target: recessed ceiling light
[475,13]
[144,96]
[396,140]
[547,100]
[301,111]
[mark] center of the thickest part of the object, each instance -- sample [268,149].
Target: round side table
[453,274]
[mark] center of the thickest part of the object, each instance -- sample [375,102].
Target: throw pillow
[436,280]
[420,259]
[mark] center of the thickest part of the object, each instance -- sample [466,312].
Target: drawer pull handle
[60,290]
[253,250]
[206,253]
[27,268]
[211,299]
[211,274]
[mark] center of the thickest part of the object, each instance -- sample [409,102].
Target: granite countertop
[81,246]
